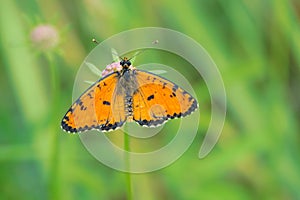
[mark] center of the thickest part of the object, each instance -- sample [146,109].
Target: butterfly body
[128,95]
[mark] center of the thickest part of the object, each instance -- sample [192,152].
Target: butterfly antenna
[139,52]
[117,55]
[95,41]
[136,54]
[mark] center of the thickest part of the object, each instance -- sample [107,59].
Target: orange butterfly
[128,94]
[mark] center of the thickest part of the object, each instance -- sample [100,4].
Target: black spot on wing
[106,103]
[83,107]
[150,97]
[109,126]
[89,94]
[175,87]
[80,104]
[151,122]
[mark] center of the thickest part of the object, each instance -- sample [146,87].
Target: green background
[256,46]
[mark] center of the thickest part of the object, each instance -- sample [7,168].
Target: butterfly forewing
[156,100]
[99,107]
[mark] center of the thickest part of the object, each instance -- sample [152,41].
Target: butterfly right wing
[99,107]
[157,100]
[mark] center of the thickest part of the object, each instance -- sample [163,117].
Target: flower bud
[44,37]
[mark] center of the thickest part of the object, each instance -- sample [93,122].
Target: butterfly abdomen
[128,107]
[126,87]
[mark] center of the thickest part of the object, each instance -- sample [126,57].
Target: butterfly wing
[157,99]
[99,107]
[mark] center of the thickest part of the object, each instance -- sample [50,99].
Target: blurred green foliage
[255,44]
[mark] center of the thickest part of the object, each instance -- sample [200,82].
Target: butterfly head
[125,63]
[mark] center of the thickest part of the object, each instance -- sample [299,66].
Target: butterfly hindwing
[156,100]
[99,107]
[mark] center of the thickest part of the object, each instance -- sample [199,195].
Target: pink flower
[44,37]
[113,67]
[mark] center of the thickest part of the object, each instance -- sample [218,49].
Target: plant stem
[127,163]
[53,180]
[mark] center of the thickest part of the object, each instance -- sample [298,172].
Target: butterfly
[125,95]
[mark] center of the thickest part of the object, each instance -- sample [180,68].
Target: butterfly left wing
[157,100]
[99,107]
